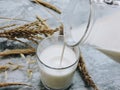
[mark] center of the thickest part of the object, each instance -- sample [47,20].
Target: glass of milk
[56,72]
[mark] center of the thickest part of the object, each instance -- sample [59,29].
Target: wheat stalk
[48,5]
[86,77]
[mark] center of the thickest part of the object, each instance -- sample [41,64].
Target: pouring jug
[95,23]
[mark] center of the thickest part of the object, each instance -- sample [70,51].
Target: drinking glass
[57,74]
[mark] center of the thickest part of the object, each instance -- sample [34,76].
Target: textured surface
[104,71]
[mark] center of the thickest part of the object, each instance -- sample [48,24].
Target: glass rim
[58,68]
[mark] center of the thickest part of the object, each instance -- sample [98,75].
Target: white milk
[57,79]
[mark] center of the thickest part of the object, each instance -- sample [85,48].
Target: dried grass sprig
[13,84]
[17,51]
[30,73]
[7,26]
[48,5]
[14,66]
[42,22]
[27,31]
[87,78]
[3,68]
[32,31]
[1,17]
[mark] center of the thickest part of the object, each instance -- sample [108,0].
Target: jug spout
[112,54]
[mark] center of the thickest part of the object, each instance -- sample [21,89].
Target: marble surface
[104,71]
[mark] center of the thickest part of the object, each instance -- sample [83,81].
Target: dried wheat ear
[85,75]
[34,31]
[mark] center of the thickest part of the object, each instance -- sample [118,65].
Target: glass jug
[95,23]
